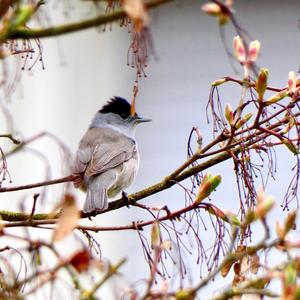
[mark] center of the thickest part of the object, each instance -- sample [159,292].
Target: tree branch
[162,185]
[166,183]
[139,225]
[24,33]
[38,184]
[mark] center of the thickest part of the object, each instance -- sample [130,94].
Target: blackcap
[107,158]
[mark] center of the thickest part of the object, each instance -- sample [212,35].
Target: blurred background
[83,70]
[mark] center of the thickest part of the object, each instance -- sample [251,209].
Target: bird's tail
[96,199]
[96,196]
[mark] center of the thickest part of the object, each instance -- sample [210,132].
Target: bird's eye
[124,116]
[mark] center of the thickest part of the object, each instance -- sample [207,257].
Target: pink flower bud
[212,9]
[239,49]
[292,81]
[253,51]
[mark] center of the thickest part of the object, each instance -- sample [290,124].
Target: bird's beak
[139,119]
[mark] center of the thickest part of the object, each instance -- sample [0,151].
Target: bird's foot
[91,214]
[125,198]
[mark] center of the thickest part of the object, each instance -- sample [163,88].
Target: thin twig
[250,84]
[111,271]
[35,197]
[10,136]
[69,178]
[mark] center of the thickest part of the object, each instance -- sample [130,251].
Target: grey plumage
[100,158]
[107,158]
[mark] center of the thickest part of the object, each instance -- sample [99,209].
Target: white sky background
[85,69]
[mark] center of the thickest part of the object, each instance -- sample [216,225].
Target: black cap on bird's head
[121,107]
[117,105]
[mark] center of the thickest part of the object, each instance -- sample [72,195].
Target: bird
[107,158]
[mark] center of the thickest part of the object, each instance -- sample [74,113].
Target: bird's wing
[104,152]
[83,156]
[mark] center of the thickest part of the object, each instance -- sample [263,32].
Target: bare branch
[55,31]
[69,178]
